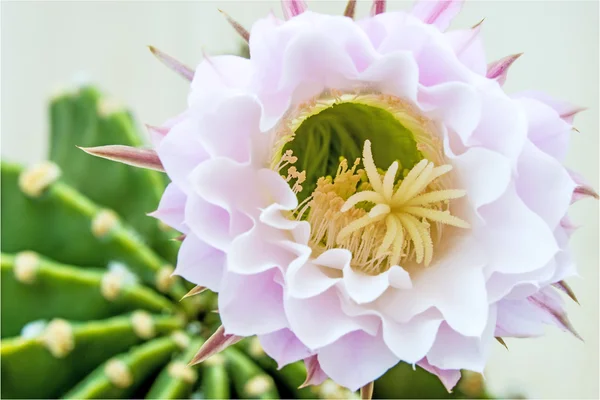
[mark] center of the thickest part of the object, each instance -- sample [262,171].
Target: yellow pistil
[406,209]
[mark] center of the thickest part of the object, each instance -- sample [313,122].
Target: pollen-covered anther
[58,338]
[292,172]
[104,222]
[35,179]
[405,209]
[143,324]
[258,385]
[26,266]
[164,278]
[180,370]
[118,373]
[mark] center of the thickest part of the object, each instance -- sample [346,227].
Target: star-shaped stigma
[406,207]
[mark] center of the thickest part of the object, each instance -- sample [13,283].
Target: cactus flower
[363,193]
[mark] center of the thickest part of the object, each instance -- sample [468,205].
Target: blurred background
[50,47]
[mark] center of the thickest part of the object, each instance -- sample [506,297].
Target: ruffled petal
[251,304]
[284,347]
[455,104]
[513,250]
[181,151]
[201,264]
[459,271]
[301,315]
[547,130]
[544,185]
[448,377]
[452,350]
[364,288]
[171,209]
[369,356]
[469,49]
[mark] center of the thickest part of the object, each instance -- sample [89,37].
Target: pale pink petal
[457,105]
[452,350]
[468,46]
[364,288]
[437,12]
[369,354]
[564,109]
[284,347]
[459,271]
[307,279]
[228,131]
[251,304]
[301,316]
[200,263]
[483,173]
[503,125]
[217,77]
[544,185]
[547,130]
[448,377]
[180,152]
[209,222]
[530,248]
[395,73]
[171,209]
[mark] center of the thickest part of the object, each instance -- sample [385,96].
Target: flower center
[384,217]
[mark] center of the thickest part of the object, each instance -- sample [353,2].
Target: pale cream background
[46,44]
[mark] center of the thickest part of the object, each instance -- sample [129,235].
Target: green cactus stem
[35,288]
[120,376]
[85,118]
[290,377]
[249,380]
[66,226]
[215,380]
[177,379]
[62,353]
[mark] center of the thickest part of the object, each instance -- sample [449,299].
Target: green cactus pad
[53,288]
[289,377]
[119,377]
[47,365]
[249,380]
[66,226]
[215,380]
[177,379]
[87,119]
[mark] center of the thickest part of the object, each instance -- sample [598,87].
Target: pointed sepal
[350,9]
[378,7]
[291,8]
[314,374]
[438,12]
[366,392]
[218,342]
[562,286]
[551,305]
[502,342]
[142,158]
[173,64]
[499,69]
[582,192]
[196,290]
[243,32]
